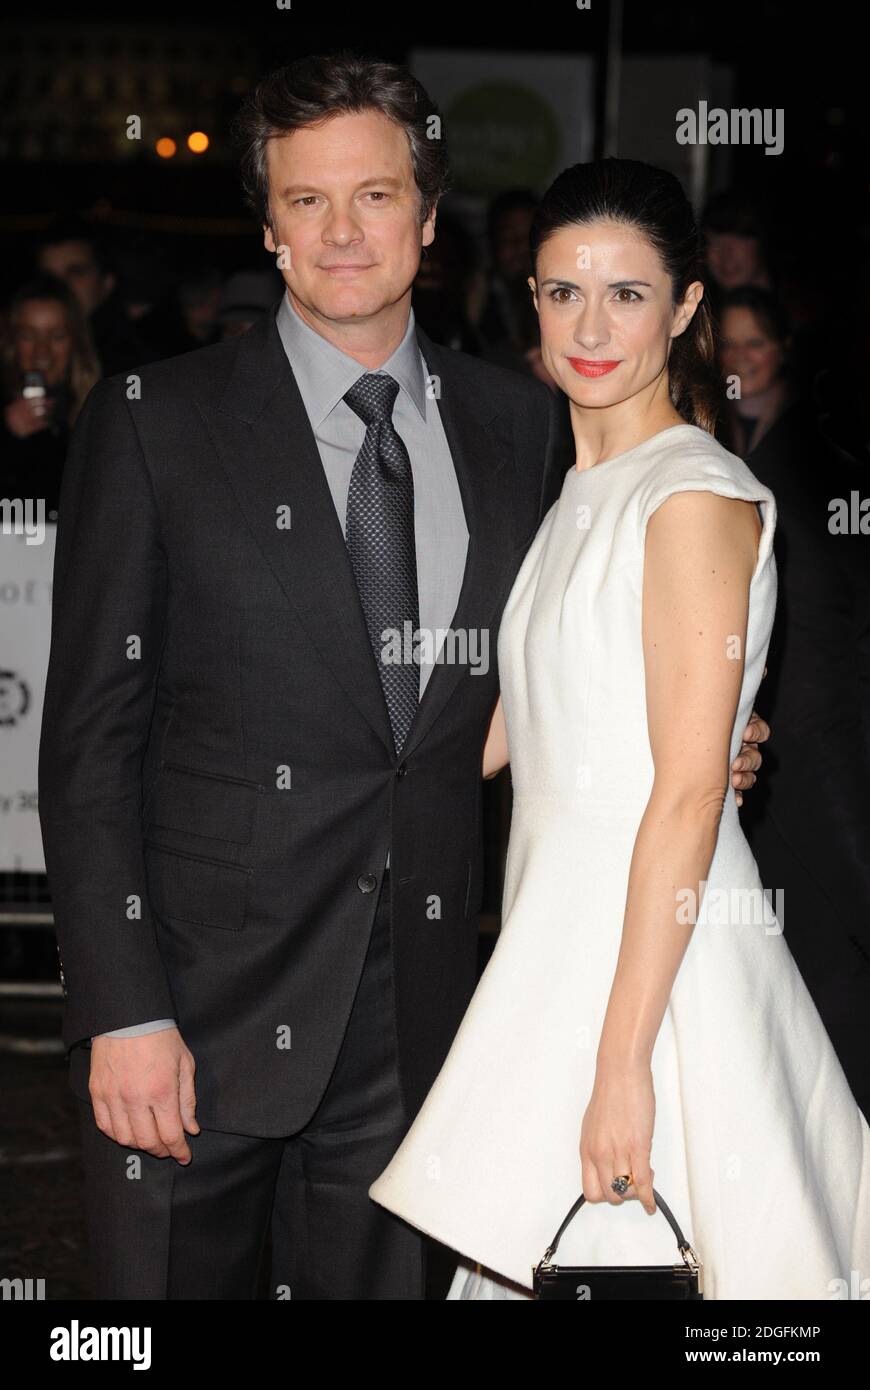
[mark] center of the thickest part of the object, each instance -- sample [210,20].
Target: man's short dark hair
[66,227]
[312,90]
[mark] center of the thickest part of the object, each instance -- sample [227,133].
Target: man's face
[345,208]
[511,243]
[734,261]
[75,263]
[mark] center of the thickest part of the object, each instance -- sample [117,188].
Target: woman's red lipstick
[587,368]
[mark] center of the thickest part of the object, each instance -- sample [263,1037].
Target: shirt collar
[324,373]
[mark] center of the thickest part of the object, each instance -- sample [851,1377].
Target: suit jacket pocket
[206,804]
[190,888]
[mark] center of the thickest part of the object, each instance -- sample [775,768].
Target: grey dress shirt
[324,374]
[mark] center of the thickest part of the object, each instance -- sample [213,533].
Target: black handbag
[578,1283]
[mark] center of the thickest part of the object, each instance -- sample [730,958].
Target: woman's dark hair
[315,88]
[766,308]
[652,201]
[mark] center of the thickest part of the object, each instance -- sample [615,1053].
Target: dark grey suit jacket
[202,655]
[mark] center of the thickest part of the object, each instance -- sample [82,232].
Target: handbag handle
[682,1244]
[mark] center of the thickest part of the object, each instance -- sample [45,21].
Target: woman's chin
[592,395]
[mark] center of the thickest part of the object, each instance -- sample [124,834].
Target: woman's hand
[616,1134]
[25,416]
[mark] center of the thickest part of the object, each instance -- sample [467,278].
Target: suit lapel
[268,451]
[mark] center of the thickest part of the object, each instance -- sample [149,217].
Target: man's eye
[308,198]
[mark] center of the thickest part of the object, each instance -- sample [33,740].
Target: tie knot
[372,397]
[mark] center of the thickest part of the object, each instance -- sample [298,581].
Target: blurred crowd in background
[93,307]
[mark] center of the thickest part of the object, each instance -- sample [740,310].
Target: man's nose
[341,227]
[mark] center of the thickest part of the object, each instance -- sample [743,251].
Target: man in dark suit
[262,827]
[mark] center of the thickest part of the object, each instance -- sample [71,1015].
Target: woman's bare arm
[701,551]
[495,749]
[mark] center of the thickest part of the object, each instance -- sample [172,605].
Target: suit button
[367,883]
[401,770]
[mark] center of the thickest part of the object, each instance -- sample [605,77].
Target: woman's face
[748,353]
[606,314]
[43,341]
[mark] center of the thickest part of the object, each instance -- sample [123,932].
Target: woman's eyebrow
[613,285]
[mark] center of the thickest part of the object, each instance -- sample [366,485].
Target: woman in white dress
[641,1014]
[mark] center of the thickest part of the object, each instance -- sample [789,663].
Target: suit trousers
[158,1230]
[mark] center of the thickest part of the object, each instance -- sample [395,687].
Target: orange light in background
[165,147]
[197,141]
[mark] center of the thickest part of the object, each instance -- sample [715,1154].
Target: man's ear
[269,239]
[429,226]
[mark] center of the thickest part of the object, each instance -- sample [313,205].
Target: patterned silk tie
[379,531]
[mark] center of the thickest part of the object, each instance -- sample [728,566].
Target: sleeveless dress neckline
[626,453]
